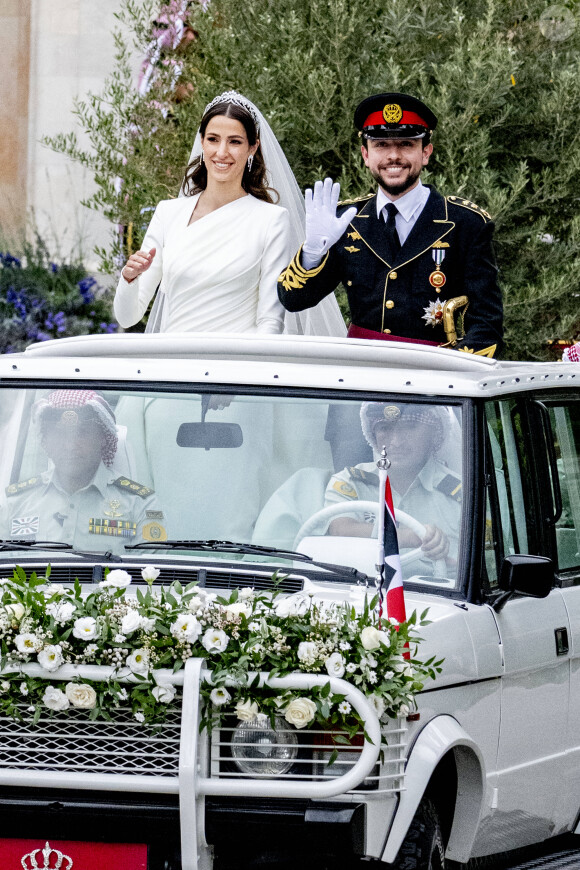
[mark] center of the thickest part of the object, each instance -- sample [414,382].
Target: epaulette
[366,476]
[356,199]
[451,486]
[136,488]
[466,203]
[22,485]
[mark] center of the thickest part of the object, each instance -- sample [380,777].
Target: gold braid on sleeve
[295,276]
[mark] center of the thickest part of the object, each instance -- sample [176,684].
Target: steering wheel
[321,518]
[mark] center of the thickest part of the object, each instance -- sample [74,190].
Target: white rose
[118,579]
[26,643]
[377,703]
[16,610]
[131,622]
[139,716]
[335,665]
[238,608]
[54,699]
[148,624]
[50,658]
[307,651]
[219,696]
[5,686]
[150,574]
[215,640]
[247,710]
[138,661]
[293,605]
[299,712]
[246,593]
[61,611]
[186,628]
[85,628]
[164,693]
[372,638]
[81,695]
[404,710]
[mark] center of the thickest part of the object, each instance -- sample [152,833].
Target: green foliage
[506,96]
[41,299]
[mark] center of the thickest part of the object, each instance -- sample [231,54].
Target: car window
[565,425]
[507,518]
[103,469]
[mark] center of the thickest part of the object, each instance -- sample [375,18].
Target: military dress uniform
[448,254]
[108,513]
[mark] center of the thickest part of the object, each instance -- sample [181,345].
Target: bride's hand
[137,263]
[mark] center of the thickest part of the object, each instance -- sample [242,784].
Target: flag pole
[383,465]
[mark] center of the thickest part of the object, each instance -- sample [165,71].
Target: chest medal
[437,278]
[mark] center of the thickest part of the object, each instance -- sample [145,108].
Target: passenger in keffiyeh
[422,485]
[572,354]
[79,499]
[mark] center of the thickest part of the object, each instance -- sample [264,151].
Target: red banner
[84,856]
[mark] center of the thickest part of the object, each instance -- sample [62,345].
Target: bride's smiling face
[226,149]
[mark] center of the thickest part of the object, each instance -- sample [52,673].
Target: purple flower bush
[41,299]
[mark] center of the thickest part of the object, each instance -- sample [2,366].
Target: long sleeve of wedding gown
[132,298]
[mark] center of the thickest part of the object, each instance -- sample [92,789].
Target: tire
[423,847]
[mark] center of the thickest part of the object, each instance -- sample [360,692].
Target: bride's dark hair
[254,179]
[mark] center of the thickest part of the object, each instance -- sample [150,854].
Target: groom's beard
[395,189]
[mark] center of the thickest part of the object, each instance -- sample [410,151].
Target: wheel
[321,518]
[423,847]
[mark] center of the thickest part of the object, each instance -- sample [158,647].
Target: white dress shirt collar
[408,205]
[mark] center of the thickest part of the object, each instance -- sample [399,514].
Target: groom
[416,266]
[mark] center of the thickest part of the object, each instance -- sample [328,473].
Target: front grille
[86,573]
[71,743]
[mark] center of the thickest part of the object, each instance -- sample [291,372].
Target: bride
[216,251]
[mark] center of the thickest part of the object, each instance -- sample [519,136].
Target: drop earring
[250,161]
[201,156]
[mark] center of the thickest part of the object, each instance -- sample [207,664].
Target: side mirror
[532,576]
[210,435]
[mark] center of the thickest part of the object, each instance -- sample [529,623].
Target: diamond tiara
[237,100]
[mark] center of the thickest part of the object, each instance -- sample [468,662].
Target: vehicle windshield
[100,470]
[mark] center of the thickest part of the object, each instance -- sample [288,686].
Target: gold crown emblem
[392,113]
[52,859]
[69,418]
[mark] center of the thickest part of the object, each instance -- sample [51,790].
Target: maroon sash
[360,332]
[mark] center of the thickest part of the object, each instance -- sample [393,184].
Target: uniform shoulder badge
[356,200]
[345,489]
[466,203]
[23,485]
[366,476]
[451,486]
[127,485]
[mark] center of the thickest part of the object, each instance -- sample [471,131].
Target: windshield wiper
[8,544]
[250,550]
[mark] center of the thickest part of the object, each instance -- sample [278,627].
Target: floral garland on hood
[142,631]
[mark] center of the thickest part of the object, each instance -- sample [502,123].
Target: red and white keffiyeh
[72,400]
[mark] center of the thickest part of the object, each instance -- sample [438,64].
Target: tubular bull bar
[194,780]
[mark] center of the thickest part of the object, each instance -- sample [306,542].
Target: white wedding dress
[218,274]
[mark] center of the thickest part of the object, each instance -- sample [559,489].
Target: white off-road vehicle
[240,438]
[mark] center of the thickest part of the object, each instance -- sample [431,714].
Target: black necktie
[392,234]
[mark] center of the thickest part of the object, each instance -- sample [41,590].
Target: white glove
[323,227]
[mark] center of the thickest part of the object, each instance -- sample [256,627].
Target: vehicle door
[531,754]
[562,419]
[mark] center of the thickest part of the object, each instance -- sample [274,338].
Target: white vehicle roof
[283,361]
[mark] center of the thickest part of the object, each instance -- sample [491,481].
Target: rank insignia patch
[154,532]
[351,249]
[132,485]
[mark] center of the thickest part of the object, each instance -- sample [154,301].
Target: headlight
[257,748]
